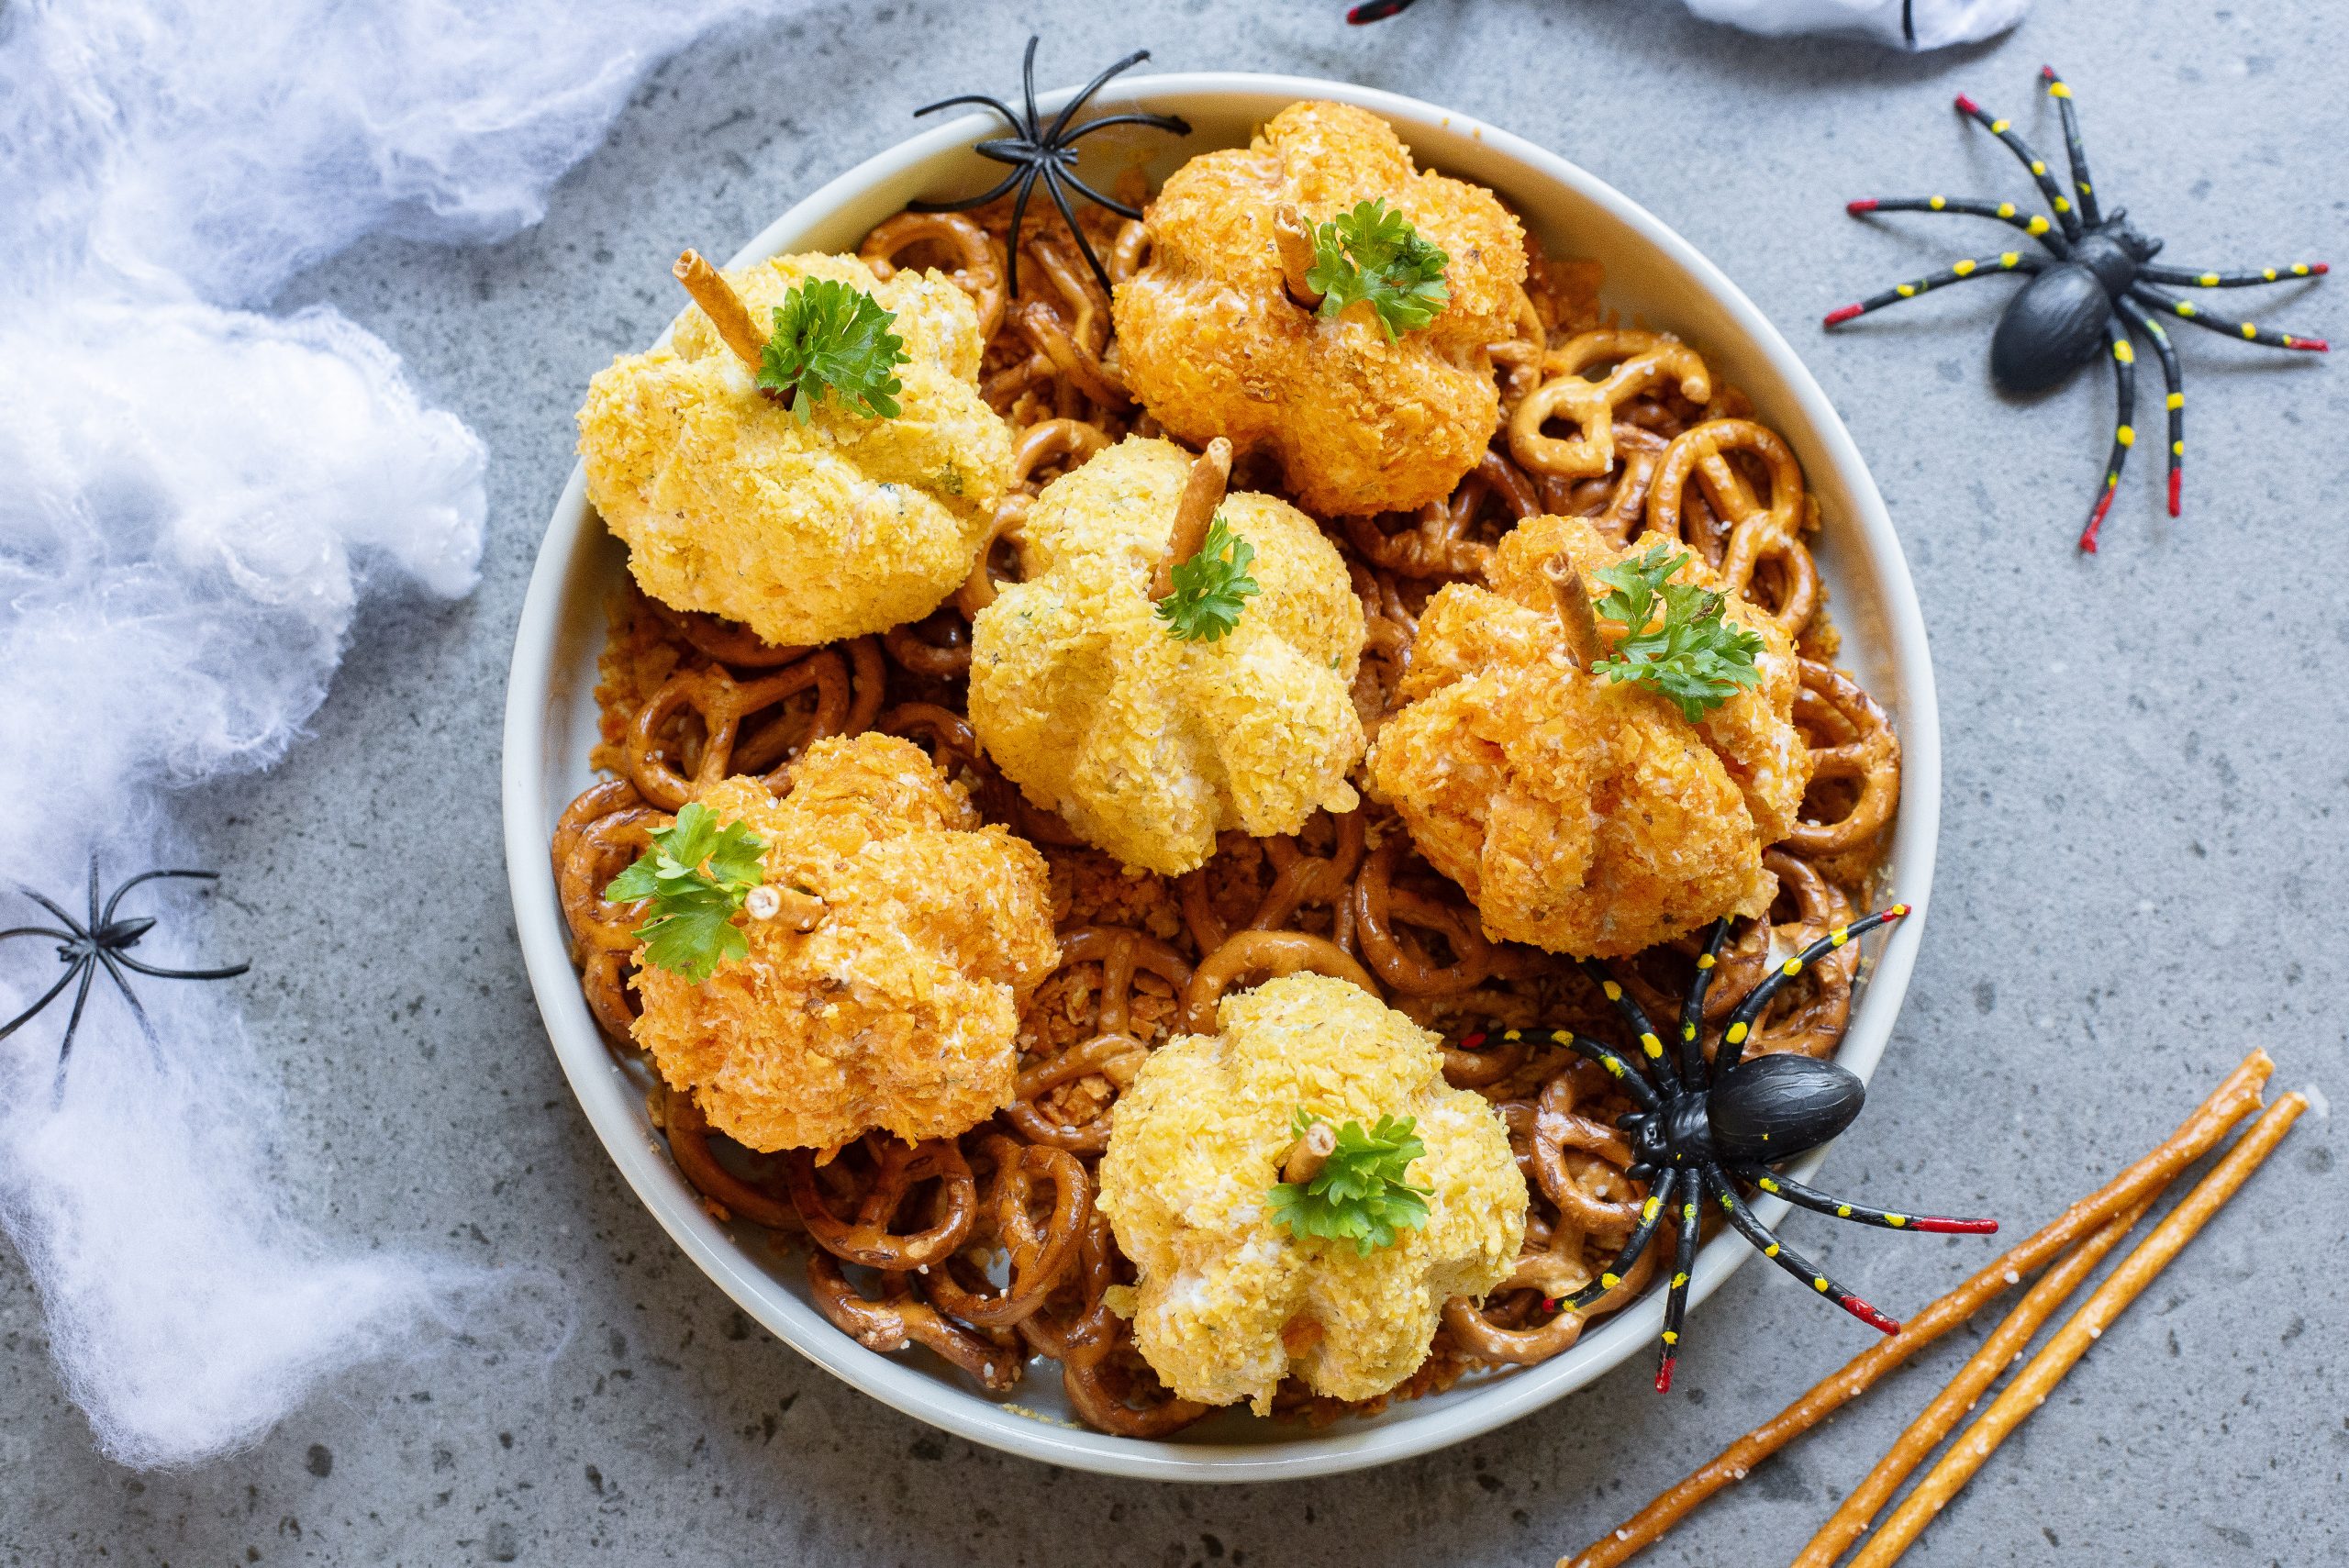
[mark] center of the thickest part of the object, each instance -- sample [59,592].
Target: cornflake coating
[804,533]
[899,1011]
[1228,1303]
[1213,346]
[1145,744]
[1584,816]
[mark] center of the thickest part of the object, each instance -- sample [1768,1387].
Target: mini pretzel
[1076,365]
[1616,501]
[728,641]
[604,981]
[1120,1394]
[722,702]
[1298,881]
[1477,1332]
[1591,406]
[1872,757]
[1267,955]
[912,647]
[1127,250]
[980,275]
[1040,1259]
[955,747]
[899,1168]
[1442,543]
[1758,533]
[1381,908]
[1083,1335]
[688,1132]
[1820,907]
[1556,1130]
[597,800]
[1113,1051]
[898,1319]
[601,850]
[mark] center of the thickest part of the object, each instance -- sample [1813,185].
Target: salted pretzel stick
[1294,238]
[722,306]
[1193,514]
[2228,1105]
[1575,618]
[2002,1349]
[2031,1386]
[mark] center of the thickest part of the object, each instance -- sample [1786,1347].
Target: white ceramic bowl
[1652,276]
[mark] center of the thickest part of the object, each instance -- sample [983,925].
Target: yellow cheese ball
[1228,1303]
[900,1010]
[1582,815]
[1145,744]
[1213,345]
[806,533]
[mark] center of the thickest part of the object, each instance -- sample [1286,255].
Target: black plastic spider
[1699,1131]
[105,942]
[2098,285]
[1036,151]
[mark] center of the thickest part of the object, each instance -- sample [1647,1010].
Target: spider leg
[2078,154]
[1085,93]
[1692,1010]
[1097,199]
[1778,1253]
[70,923]
[2036,225]
[37,931]
[2172,377]
[1676,1301]
[997,104]
[1175,122]
[2004,131]
[1818,1202]
[2249,331]
[2191,277]
[1052,177]
[965,204]
[1376,11]
[1650,1044]
[101,919]
[2124,433]
[1740,1022]
[89,972]
[1618,1066]
[1974,267]
[96,924]
[1031,126]
[72,968]
[228,972]
[1026,180]
[1650,1215]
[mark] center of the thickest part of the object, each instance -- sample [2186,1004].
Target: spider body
[1697,1133]
[103,942]
[2096,284]
[1046,154]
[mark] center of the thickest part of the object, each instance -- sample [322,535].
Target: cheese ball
[1580,815]
[1213,345]
[898,1010]
[1147,745]
[806,533]
[1228,1303]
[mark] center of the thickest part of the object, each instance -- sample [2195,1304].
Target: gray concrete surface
[2147,782]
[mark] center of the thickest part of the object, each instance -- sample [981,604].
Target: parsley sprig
[1694,655]
[1374,253]
[696,874]
[830,337]
[1360,1195]
[1211,589]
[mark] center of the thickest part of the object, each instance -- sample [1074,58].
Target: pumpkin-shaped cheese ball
[1229,1301]
[1216,340]
[899,1008]
[1146,744]
[806,530]
[1581,815]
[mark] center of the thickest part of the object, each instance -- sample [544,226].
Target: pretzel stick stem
[2031,1386]
[1202,493]
[2229,1104]
[722,306]
[1575,616]
[1308,1156]
[2002,1349]
[1295,239]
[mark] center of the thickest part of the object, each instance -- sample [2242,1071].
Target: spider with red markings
[2096,282]
[1699,1131]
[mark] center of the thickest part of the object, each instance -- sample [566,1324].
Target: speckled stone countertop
[2144,831]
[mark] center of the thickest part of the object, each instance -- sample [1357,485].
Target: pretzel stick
[1294,238]
[2031,1386]
[1193,514]
[2001,1351]
[722,306]
[2228,1105]
[1575,618]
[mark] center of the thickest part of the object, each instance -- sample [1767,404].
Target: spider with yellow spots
[1699,1131]
[2097,282]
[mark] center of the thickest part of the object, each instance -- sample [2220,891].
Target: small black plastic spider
[1699,1131]
[105,942]
[1036,151]
[2097,287]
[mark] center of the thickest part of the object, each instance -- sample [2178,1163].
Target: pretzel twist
[1112,1051]
[600,852]
[1268,955]
[1086,1330]
[1299,881]
[899,1320]
[1871,759]
[899,1169]
[733,1197]
[1758,533]
[1041,1257]
[726,641]
[1442,541]
[980,274]
[722,702]
[1643,362]
[1382,909]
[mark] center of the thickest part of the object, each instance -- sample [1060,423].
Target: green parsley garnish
[1696,656]
[1374,253]
[697,874]
[1211,589]
[830,337]
[1360,1194]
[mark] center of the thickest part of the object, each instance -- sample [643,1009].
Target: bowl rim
[616,1111]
